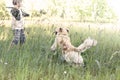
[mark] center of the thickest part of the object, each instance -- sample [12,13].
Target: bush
[3,11]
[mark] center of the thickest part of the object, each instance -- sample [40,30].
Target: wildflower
[5,63]
[65,72]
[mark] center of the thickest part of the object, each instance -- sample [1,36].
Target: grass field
[35,61]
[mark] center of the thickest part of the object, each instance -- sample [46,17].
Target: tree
[3,11]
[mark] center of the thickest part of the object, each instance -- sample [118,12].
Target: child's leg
[22,37]
[16,37]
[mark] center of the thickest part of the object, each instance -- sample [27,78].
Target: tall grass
[35,61]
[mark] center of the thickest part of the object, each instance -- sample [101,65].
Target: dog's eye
[67,30]
[55,32]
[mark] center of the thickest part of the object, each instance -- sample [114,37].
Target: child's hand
[25,14]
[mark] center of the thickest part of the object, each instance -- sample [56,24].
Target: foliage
[35,13]
[35,61]
[81,10]
[102,10]
[3,11]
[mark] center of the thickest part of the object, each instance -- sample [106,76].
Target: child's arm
[24,14]
[16,13]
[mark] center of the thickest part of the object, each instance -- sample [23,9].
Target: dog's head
[61,31]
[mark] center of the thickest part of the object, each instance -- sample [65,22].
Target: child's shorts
[18,36]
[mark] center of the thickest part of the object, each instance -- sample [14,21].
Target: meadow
[35,61]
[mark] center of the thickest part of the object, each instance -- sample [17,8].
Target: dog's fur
[70,53]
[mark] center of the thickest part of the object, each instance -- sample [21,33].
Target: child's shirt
[17,19]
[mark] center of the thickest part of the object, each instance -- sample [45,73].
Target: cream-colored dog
[70,53]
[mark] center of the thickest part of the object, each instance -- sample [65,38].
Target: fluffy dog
[70,53]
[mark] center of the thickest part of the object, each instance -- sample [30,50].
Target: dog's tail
[87,44]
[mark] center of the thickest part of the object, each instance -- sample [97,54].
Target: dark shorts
[19,36]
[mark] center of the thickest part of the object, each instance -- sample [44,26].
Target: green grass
[35,61]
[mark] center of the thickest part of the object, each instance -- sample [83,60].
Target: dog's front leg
[54,46]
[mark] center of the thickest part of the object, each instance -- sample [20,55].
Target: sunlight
[29,5]
[34,4]
[115,5]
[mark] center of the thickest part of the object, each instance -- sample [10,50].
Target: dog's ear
[60,29]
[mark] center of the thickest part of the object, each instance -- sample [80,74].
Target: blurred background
[75,10]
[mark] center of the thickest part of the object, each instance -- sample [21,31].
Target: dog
[70,53]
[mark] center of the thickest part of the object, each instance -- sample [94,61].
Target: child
[18,23]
